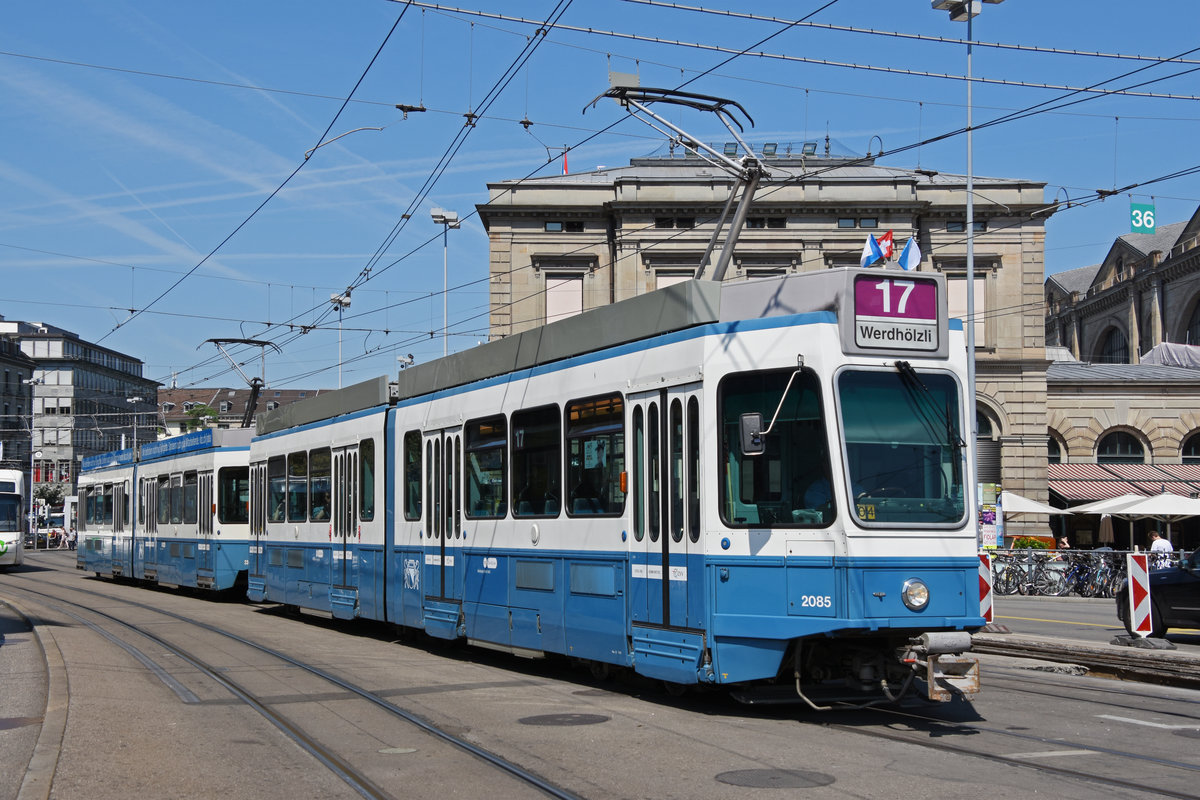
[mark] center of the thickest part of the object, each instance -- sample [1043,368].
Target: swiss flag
[885,244]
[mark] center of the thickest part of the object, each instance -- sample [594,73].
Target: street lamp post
[133,401]
[448,220]
[33,514]
[341,302]
[967,10]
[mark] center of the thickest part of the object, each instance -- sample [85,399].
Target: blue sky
[140,135]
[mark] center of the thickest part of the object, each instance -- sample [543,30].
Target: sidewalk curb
[39,774]
[1151,666]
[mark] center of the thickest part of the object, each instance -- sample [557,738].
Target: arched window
[1113,348]
[1120,448]
[1191,449]
[1053,451]
[1192,334]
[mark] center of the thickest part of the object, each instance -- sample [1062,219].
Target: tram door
[442,571]
[206,557]
[258,519]
[147,521]
[667,577]
[344,522]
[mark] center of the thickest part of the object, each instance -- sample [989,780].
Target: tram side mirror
[752,441]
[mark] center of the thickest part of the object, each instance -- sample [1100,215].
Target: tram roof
[674,308]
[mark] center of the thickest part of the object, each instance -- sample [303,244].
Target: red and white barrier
[1139,595]
[985,587]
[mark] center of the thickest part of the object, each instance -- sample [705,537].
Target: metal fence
[1059,573]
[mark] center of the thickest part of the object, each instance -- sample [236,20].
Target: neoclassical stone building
[1144,293]
[563,244]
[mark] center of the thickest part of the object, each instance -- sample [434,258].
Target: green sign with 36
[1141,218]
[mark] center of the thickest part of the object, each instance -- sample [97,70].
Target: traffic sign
[985,587]
[1139,595]
[1141,218]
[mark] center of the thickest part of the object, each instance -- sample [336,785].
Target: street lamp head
[340,301]
[135,400]
[443,217]
[32,381]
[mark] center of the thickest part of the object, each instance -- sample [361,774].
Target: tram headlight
[915,594]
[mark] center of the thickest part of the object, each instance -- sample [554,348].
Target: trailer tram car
[758,484]
[13,521]
[177,514]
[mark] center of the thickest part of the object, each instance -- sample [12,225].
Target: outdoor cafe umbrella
[1106,530]
[1166,507]
[1111,505]
[1013,503]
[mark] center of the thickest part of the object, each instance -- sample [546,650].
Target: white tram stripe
[1053,754]
[1149,724]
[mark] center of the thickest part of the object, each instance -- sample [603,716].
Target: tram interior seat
[586,505]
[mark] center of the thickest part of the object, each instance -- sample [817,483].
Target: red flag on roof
[885,244]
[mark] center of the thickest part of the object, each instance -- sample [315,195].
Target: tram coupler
[938,659]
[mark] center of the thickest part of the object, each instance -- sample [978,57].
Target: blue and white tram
[13,521]
[317,511]
[177,515]
[714,483]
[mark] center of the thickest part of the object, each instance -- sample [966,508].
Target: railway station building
[560,245]
[1123,409]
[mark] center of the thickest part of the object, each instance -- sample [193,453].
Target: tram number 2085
[816,601]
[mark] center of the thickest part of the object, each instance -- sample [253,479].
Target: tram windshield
[788,484]
[904,454]
[10,513]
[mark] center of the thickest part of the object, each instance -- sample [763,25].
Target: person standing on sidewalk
[1160,551]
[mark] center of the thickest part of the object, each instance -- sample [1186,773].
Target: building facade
[86,399]
[1145,292]
[16,398]
[178,407]
[565,244]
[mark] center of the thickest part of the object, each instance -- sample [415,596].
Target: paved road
[1087,619]
[129,733]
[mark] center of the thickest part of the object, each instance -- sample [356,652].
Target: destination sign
[895,313]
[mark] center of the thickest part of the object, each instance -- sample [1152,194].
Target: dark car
[1174,597]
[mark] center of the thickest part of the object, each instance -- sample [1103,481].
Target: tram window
[233,495]
[788,484]
[653,494]
[639,459]
[905,457]
[412,475]
[693,484]
[596,455]
[190,498]
[366,480]
[177,500]
[486,441]
[297,487]
[677,464]
[277,488]
[108,504]
[163,490]
[320,463]
[537,462]
[431,489]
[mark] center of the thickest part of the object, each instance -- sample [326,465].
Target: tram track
[942,729]
[923,727]
[310,743]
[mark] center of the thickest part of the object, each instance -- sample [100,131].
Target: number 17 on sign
[1141,218]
